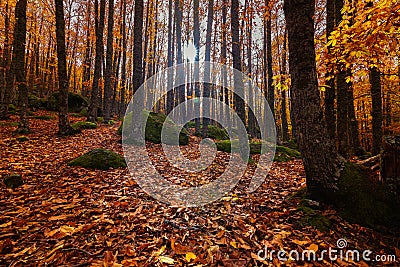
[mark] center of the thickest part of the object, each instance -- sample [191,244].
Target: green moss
[9,123]
[13,181]
[154,127]
[36,102]
[83,112]
[75,102]
[364,201]
[191,124]
[81,125]
[100,159]
[217,133]
[43,117]
[12,109]
[22,138]
[285,154]
[313,218]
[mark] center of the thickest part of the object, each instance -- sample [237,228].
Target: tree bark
[376,93]
[18,63]
[109,63]
[63,123]
[170,93]
[5,70]
[94,98]
[196,41]
[321,162]
[271,89]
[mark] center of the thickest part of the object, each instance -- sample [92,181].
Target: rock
[154,127]
[217,133]
[13,181]
[82,125]
[76,102]
[99,159]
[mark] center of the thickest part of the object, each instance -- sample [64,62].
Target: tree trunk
[321,162]
[224,61]
[237,61]
[271,89]
[138,46]
[390,163]
[109,63]
[170,93]
[285,128]
[5,70]
[207,71]
[196,40]
[251,117]
[18,63]
[63,123]
[330,116]
[94,98]
[376,93]
[342,115]
[123,67]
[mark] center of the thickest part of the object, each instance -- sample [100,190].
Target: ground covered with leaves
[71,216]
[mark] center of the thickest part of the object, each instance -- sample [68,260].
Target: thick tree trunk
[321,162]
[63,123]
[237,61]
[207,72]
[285,128]
[123,67]
[251,117]
[170,93]
[94,98]
[224,61]
[271,89]
[376,93]
[390,163]
[109,66]
[342,115]
[18,63]
[196,40]
[5,70]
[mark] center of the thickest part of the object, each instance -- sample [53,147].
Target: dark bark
[354,137]
[330,116]
[123,67]
[5,69]
[321,162]
[196,41]
[88,54]
[237,61]
[18,63]
[108,75]
[64,127]
[170,93]
[376,93]
[342,115]
[285,128]
[390,164]
[207,71]
[138,46]
[251,117]
[224,61]
[99,22]
[271,89]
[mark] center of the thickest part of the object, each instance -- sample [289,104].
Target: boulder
[99,159]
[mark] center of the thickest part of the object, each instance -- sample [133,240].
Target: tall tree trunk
[224,61]
[18,63]
[196,40]
[285,128]
[251,117]
[330,116]
[237,61]
[170,93]
[109,63]
[138,46]
[5,70]
[123,67]
[356,148]
[376,93]
[321,162]
[207,71]
[88,54]
[99,22]
[271,89]
[63,123]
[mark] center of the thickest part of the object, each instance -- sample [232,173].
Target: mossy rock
[76,102]
[365,201]
[217,133]
[154,125]
[36,102]
[13,181]
[314,218]
[43,117]
[12,109]
[99,159]
[190,124]
[285,154]
[82,125]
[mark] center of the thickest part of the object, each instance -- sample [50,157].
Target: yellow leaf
[190,256]
[5,224]
[299,242]
[313,247]
[165,259]
[233,244]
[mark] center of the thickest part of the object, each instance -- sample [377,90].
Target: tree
[375,81]
[322,164]
[268,60]
[18,63]
[109,66]
[6,75]
[237,61]
[64,127]
[196,42]
[138,46]
[170,94]
[99,25]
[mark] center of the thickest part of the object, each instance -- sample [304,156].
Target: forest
[200,133]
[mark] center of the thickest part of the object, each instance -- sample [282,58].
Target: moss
[154,127]
[36,102]
[43,117]
[313,218]
[81,125]
[9,123]
[22,138]
[285,154]
[217,133]
[83,112]
[365,201]
[191,124]
[75,102]
[100,159]
[13,181]
[12,109]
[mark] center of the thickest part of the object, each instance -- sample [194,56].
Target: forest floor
[70,216]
